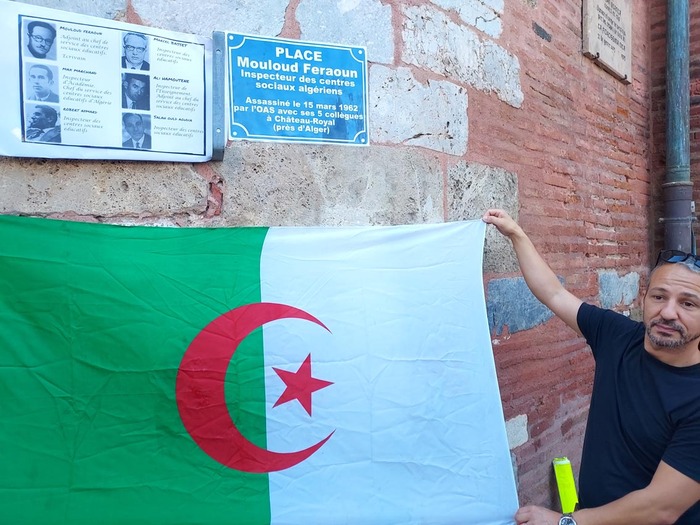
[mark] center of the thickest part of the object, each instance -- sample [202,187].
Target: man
[41,84]
[640,462]
[135,46]
[43,125]
[135,91]
[40,38]
[139,139]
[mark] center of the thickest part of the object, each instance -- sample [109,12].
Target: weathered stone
[471,190]
[434,42]
[510,303]
[258,17]
[516,431]
[483,15]
[404,111]
[614,289]
[353,22]
[101,8]
[283,185]
[114,189]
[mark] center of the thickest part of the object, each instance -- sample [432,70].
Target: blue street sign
[292,91]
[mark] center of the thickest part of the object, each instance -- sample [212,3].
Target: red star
[300,385]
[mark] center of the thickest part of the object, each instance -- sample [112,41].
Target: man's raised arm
[539,277]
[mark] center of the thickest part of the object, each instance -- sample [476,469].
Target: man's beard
[665,342]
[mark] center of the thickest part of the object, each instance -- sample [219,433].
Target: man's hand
[501,220]
[532,515]
[33,133]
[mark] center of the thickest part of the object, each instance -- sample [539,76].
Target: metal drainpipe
[679,208]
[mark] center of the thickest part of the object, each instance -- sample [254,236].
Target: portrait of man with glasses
[135,51]
[40,39]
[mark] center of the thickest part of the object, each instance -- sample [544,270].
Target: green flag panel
[94,321]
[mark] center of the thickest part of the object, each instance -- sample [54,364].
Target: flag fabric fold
[248,376]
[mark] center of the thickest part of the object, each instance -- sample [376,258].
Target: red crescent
[200,390]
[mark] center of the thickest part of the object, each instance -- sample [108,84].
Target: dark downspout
[679,208]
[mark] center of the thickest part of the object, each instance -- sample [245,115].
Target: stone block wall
[472,104]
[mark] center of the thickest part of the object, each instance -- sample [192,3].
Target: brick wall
[579,146]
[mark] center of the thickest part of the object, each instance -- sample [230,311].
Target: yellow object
[565,483]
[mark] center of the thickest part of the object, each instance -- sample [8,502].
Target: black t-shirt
[642,411]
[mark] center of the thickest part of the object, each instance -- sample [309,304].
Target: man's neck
[687,355]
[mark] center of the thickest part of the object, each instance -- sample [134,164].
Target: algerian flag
[247,376]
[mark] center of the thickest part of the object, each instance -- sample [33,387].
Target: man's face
[39,81]
[39,120]
[134,49]
[134,126]
[40,41]
[672,310]
[135,88]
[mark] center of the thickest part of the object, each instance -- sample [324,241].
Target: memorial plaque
[292,91]
[607,35]
[82,87]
